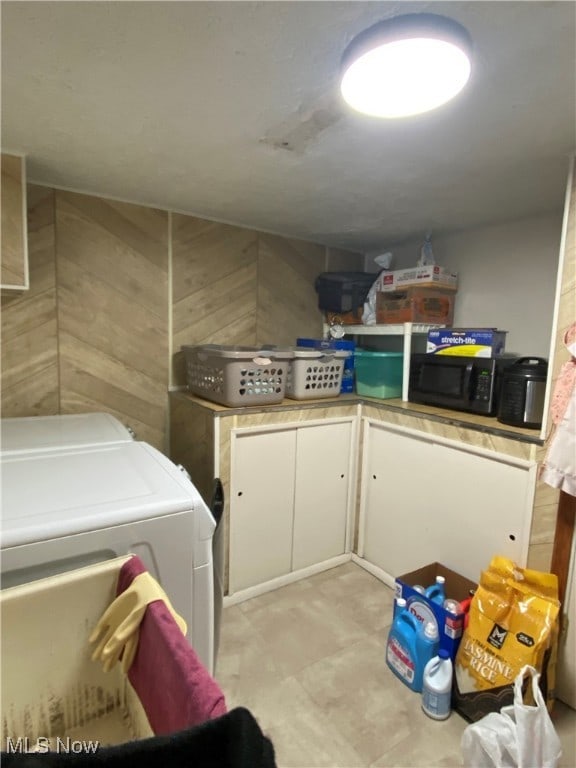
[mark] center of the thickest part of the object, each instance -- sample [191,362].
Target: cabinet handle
[341,476]
[240,493]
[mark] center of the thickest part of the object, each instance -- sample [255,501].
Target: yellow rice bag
[513,622]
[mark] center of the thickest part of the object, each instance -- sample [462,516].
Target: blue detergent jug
[410,646]
[399,605]
[436,592]
[402,649]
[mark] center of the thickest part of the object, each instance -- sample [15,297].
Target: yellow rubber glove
[118,628]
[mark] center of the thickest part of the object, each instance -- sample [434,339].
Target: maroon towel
[174,687]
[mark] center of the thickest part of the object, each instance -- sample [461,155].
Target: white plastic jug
[437,686]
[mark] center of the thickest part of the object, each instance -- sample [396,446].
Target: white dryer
[62,509]
[66,431]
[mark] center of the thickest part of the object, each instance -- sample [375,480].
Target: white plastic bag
[519,736]
[384,261]
[369,311]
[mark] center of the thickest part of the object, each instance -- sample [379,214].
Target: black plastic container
[343,291]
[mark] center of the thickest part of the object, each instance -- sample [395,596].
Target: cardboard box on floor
[450,626]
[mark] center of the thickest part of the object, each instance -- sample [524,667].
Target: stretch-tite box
[469,342]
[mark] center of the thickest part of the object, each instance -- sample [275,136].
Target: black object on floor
[234,740]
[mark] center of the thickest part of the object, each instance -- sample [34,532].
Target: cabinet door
[321,499]
[566,670]
[429,502]
[261,507]
[14,249]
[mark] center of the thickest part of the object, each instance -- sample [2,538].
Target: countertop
[487,424]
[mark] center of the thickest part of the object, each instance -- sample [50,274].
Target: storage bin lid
[346,278]
[376,353]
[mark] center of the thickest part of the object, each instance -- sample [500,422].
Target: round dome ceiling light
[406,65]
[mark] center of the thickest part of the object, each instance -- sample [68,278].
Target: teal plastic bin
[378,374]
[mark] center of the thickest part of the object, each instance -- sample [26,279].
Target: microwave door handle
[467,381]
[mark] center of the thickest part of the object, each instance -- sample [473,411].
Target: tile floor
[308,661]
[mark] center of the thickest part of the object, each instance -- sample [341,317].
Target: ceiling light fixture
[406,65]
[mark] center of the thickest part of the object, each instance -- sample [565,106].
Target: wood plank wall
[29,359]
[287,268]
[113,311]
[546,497]
[93,333]
[238,286]
[214,296]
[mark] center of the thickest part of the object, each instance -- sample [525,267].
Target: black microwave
[453,381]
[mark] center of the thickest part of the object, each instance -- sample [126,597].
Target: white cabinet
[429,499]
[14,237]
[290,499]
[261,507]
[321,493]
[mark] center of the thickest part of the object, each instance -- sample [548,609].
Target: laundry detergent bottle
[399,606]
[402,648]
[436,592]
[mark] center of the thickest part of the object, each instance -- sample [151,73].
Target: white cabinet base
[288,578]
[384,577]
[428,499]
[291,496]
[261,507]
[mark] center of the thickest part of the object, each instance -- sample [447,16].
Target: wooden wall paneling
[29,323]
[543,522]
[547,498]
[13,249]
[214,286]
[567,303]
[112,263]
[565,504]
[563,541]
[192,442]
[287,300]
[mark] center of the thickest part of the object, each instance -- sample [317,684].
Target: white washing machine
[64,508]
[67,431]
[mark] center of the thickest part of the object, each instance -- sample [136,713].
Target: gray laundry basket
[315,373]
[237,376]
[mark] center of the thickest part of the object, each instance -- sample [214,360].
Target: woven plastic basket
[315,373]
[237,376]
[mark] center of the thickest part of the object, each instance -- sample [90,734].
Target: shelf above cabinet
[401,329]
[406,330]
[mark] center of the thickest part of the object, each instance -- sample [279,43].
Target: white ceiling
[230,111]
